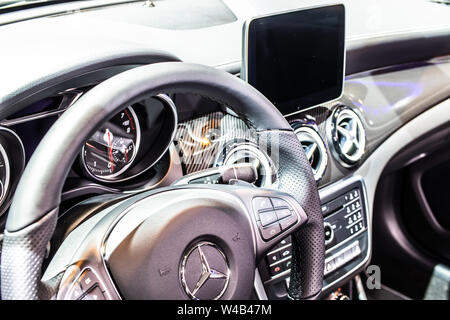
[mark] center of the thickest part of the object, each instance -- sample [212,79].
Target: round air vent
[249,153]
[315,149]
[347,135]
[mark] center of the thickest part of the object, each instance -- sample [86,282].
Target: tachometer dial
[112,149]
[4,173]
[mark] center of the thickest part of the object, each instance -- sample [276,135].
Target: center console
[346,241]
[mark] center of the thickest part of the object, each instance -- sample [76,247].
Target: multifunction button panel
[273,216]
[279,259]
[86,287]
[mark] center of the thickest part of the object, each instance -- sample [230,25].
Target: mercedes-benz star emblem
[205,272]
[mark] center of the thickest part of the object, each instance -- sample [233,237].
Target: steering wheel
[178,242]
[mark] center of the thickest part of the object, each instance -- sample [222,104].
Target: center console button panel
[344,221]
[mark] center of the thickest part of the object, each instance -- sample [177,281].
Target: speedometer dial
[113,148]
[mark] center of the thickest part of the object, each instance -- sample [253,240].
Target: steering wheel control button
[287,265]
[284,242]
[75,292]
[273,257]
[262,204]
[276,269]
[267,218]
[270,232]
[283,213]
[280,203]
[287,252]
[88,279]
[94,294]
[288,222]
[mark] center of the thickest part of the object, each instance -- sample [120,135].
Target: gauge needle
[107,137]
[91,146]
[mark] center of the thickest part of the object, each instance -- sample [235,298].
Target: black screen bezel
[313,98]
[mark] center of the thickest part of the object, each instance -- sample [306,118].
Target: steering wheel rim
[33,214]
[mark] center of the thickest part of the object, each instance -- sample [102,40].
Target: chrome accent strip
[270,176]
[323,162]
[5,156]
[438,287]
[360,288]
[350,202]
[31,117]
[5,187]
[18,139]
[280,275]
[63,106]
[259,287]
[281,261]
[279,249]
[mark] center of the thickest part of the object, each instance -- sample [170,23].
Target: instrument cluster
[12,162]
[131,142]
[113,159]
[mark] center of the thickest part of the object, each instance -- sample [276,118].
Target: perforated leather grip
[308,244]
[22,255]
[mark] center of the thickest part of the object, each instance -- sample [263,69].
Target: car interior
[224,150]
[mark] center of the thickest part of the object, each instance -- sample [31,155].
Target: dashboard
[161,140]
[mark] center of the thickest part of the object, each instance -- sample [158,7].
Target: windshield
[14,5]
[5,4]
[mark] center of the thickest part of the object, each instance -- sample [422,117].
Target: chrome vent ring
[348,135]
[247,152]
[315,149]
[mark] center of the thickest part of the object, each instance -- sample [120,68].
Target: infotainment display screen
[296,59]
